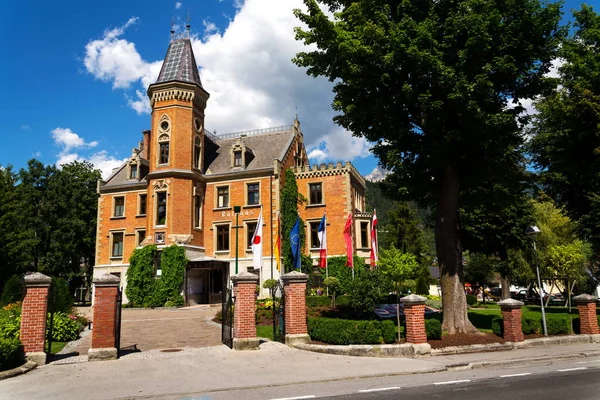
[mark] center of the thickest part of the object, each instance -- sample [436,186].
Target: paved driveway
[171,328]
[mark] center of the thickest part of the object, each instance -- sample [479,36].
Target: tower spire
[187,26]
[172,29]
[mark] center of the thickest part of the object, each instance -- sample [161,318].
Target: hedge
[11,353]
[556,325]
[343,331]
[325,301]
[433,329]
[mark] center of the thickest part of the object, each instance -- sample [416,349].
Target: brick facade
[105,313]
[511,314]
[33,316]
[414,312]
[588,320]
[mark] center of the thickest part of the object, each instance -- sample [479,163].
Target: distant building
[180,185]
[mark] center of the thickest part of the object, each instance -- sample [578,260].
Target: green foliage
[12,354]
[290,199]
[399,268]
[531,325]
[369,289]
[433,329]
[433,303]
[65,327]
[62,297]
[422,285]
[341,331]
[337,268]
[480,269]
[13,290]
[270,283]
[558,324]
[10,321]
[146,290]
[140,277]
[332,283]
[324,301]
[498,326]
[404,230]
[388,331]
[471,300]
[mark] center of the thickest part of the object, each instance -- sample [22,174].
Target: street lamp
[532,232]
[236,210]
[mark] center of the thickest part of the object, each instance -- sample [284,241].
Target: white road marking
[585,362]
[451,382]
[379,390]
[571,369]
[514,375]
[312,396]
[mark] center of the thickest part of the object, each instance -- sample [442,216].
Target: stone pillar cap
[294,276]
[37,279]
[584,299]
[107,280]
[510,304]
[413,299]
[245,276]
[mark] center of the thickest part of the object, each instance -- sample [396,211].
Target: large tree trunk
[449,252]
[505,282]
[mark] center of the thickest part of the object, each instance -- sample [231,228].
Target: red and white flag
[322,234]
[374,249]
[348,240]
[257,243]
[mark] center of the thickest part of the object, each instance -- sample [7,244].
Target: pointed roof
[180,63]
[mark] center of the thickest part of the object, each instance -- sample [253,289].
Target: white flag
[257,243]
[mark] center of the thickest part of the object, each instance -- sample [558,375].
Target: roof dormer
[241,155]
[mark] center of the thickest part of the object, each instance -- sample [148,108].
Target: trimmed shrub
[471,300]
[11,353]
[62,297]
[433,303]
[13,291]
[422,286]
[433,329]
[557,325]
[388,331]
[325,301]
[531,325]
[342,331]
[498,326]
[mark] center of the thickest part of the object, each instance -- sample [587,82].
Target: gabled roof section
[180,64]
[266,145]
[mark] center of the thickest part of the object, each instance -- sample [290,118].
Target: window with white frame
[364,235]
[197,212]
[223,196]
[197,152]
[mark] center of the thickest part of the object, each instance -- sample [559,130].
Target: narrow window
[316,193]
[237,158]
[164,153]
[134,171]
[119,207]
[161,208]
[117,244]
[314,235]
[157,264]
[223,196]
[142,209]
[222,237]
[250,229]
[253,194]
[141,236]
[364,234]
[197,212]
[197,147]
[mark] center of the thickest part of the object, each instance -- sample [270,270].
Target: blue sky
[75,75]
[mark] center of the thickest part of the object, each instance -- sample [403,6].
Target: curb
[23,369]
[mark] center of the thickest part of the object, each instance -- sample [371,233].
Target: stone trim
[584,299]
[244,277]
[509,304]
[413,299]
[37,280]
[294,277]
[107,280]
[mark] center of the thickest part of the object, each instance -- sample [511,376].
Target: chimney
[145,150]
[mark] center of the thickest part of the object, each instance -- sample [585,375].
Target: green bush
[11,353]
[10,321]
[498,326]
[325,301]
[531,325]
[433,329]
[558,325]
[471,300]
[62,297]
[422,286]
[388,331]
[64,327]
[270,284]
[13,291]
[369,289]
[341,331]
[437,304]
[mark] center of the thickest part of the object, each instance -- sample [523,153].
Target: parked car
[527,297]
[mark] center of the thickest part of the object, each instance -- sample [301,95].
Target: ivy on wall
[144,288]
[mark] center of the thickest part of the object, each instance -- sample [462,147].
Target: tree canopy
[430,82]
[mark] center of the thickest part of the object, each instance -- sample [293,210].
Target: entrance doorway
[206,282]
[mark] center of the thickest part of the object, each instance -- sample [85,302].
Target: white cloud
[317,155]
[25,127]
[37,154]
[209,27]
[378,174]
[178,5]
[68,139]
[141,105]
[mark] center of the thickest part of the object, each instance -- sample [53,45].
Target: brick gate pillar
[106,290]
[414,312]
[588,321]
[294,285]
[33,316]
[244,313]
[511,314]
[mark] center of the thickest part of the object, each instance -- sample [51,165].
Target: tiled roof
[180,64]
[121,175]
[263,147]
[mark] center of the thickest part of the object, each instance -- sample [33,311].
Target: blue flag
[295,242]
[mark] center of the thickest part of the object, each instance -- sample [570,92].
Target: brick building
[181,184]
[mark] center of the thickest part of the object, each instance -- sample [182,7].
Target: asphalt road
[551,380]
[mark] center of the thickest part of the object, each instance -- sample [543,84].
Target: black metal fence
[278,296]
[118,321]
[227,318]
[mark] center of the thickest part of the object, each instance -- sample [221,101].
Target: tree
[290,199]
[430,83]
[479,270]
[565,138]
[400,269]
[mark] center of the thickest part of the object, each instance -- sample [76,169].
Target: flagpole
[376,241]
[271,235]
[352,242]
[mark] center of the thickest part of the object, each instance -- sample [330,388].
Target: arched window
[163,149]
[197,153]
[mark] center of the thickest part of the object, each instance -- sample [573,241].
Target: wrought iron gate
[118,321]
[278,296]
[50,320]
[227,318]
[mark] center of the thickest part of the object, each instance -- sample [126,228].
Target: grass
[264,331]
[56,347]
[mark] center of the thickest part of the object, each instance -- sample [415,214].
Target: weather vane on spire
[172,29]
[187,25]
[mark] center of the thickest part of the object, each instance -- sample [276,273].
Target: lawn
[264,331]
[56,347]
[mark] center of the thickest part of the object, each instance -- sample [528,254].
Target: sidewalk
[153,373]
